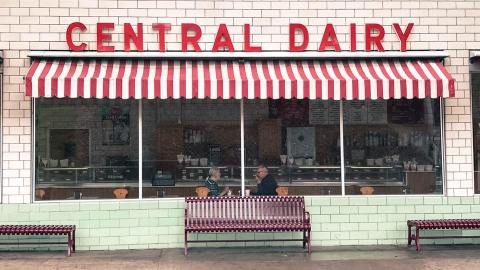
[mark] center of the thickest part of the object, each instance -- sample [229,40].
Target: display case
[314,173]
[68,175]
[198,174]
[75,176]
[374,176]
[115,174]
[282,174]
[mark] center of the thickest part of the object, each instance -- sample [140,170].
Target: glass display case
[314,174]
[75,176]
[370,175]
[298,174]
[198,174]
[282,174]
[67,175]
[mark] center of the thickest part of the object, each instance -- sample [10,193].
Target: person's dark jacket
[267,186]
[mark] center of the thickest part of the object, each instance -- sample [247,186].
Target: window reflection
[184,139]
[85,149]
[475,77]
[298,140]
[393,146]
[88,148]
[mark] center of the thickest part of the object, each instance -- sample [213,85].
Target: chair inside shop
[282,191]
[39,194]
[367,190]
[120,193]
[202,192]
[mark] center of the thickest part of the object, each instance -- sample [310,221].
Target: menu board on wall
[318,113]
[356,112]
[377,112]
[333,112]
[116,125]
[322,112]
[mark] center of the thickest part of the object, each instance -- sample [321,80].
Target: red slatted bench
[439,224]
[247,214]
[68,230]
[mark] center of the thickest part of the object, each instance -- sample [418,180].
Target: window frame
[242,153]
[473,69]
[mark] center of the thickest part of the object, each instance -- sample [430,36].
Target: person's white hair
[212,171]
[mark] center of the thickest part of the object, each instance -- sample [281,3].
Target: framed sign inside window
[116,125]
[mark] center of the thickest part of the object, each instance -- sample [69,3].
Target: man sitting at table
[266,184]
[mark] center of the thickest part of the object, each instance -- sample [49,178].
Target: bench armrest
[307,216]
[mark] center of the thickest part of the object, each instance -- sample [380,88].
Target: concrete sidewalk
[351,258]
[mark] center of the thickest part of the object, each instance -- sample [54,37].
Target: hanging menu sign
[333,112]
[318,113]
[377,112]
[356,112]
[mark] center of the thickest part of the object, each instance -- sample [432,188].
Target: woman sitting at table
[212,183]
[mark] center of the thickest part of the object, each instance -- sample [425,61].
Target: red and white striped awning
[313,79]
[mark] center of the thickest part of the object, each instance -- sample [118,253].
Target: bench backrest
[36,229]
[244,210]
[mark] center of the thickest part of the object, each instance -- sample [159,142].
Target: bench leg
[309,242]
[73,241]
[186,244]
[409,235]
[417,239]
[304,239]
[69,242]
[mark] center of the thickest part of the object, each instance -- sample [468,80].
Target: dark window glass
[476,126]
[183,140]
[298,140]
[393,146]
[86,149]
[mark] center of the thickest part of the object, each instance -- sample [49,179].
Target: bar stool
[282,191]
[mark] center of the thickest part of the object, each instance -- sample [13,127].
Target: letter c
[71,45]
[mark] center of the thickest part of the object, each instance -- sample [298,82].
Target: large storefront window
[393,146]
[183,139]
[475,77]
[298,140]
[86,149]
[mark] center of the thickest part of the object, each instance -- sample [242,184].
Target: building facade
[125,130]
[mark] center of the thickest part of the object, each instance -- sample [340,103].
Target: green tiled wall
[368,220]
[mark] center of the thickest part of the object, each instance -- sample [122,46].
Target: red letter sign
[222,33]
[162,28]
[129,34]
[192,40]
[71,46]
[246,40]
[101,37]
[329,39]
[353,37]
[403,36]
[375,39]
[293,27]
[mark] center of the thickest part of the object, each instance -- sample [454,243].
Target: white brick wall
[40,25]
